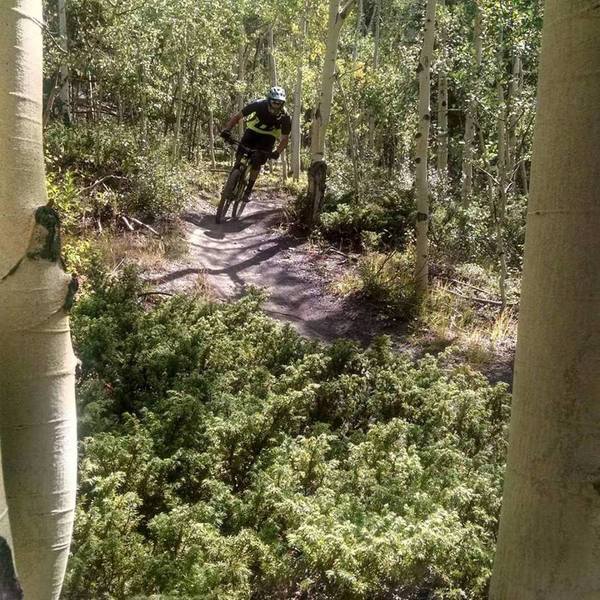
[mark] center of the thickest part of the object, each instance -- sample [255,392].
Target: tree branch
[346,9]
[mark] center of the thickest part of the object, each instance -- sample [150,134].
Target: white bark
[549,537]
[422,153]
[178,110]
[325,91]
[296,135]
[471,114]
[37,403]
[442,107]
[500,215]
[514,93]
[211,137]
[65,83]
[376,42]
[240,82]
[318,170]
[296,116]
[272,63]
[284,166]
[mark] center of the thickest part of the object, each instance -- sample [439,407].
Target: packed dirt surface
[256,251]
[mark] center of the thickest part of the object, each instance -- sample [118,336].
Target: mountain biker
[267,123]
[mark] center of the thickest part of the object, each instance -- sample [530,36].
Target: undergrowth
[225,457]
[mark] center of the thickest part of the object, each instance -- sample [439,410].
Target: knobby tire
[228,194]
[239,204]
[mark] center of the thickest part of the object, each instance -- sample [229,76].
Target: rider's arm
[286,129]
[283,142]
[233,121]
[237,117]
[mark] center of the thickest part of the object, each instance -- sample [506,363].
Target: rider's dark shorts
[258,141]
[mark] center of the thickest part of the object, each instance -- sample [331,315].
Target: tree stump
[317,177]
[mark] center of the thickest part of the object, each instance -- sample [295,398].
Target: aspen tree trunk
[37,365]
[284,166]
[211,137]
[442,108]
[296,117]
[271,55]
[377,25]
[91,99]
[471,114]
[549,537]
[178,111]
[422,153]
[240,82]
[142,108]
[65,83]
[514,92]
[524,178]
[500,215]
[358,29]
[296,131]
[352,142]
[318,168]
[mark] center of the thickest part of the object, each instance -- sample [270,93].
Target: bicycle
[233,189]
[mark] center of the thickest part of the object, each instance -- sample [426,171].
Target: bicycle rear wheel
[228,194]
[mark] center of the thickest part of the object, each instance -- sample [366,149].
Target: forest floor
[257,251]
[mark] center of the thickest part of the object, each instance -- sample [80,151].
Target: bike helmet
[276,93]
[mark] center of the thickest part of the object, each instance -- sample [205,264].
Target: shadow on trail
[218,231]
[253,252]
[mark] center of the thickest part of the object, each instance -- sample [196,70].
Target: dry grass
[479,334]
[149,252]
[346,284]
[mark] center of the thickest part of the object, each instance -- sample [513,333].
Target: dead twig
[346,256]
[473,287]
[127,223]
[481,300]
[101,180]
[145,225]
[155,293]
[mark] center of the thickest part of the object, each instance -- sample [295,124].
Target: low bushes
[108,169]
[223,456]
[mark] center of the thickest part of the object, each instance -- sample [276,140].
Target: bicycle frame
[235,185]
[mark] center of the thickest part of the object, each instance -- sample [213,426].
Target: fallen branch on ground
[482,300]
[127,223]
[154,293]
[346,256]
[101,180]
[145,225]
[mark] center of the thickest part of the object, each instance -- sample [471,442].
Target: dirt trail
[255,251]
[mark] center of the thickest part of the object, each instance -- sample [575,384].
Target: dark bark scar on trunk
[45,242]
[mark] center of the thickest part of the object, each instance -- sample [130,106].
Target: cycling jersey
[263,121]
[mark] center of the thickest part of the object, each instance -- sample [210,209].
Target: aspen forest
[371,371]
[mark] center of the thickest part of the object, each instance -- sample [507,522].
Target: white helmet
[276,93]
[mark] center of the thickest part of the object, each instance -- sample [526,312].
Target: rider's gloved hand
[274,155]
[226,135]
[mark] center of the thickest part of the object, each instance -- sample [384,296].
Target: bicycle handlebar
[239,144]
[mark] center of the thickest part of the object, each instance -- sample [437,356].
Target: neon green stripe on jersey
[255,124]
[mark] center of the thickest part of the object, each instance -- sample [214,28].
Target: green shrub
[388,280]
[385,204]
[118,171]
[226,457]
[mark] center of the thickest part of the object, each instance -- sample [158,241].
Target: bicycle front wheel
[239,204]
[228,194]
